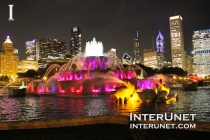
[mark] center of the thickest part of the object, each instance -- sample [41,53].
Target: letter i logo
[11,13]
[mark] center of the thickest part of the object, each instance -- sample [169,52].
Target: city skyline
[114,24]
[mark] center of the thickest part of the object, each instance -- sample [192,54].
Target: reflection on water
[50,107]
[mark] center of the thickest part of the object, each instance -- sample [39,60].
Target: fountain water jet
[53,66]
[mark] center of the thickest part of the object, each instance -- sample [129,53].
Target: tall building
[201,52]
[137,58]
[32,50]
[25,65]
[113,57]
[52,49]
[177,42]
[150,58]
[8,59]
[167,63]
[16,51]
[189,64]
[75,42]
[160,50]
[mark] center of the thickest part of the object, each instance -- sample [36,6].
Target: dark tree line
[173,70]
[30,74]
[165,70]
[150,71]
[4,78]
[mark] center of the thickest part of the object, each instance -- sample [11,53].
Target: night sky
[114,22]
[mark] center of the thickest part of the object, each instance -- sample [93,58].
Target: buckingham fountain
[89,72]
[95,73]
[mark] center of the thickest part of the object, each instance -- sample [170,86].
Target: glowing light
[96,90]
[62,91]
[41,90]
[8,40]
[31,42]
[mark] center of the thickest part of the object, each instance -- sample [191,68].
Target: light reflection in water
[31,109]
[125,109]
[51,107]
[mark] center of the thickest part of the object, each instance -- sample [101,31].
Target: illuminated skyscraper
[8,59]
[112,54]
[167,63]
[137,57]
[177,42]
[52,49]
[25,65]
[160,50]
[32,50]
[45,49]
[16,51]
[150,58]
[201,52]
[189,64]
[75,42]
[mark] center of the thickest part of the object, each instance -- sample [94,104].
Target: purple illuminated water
[82,81]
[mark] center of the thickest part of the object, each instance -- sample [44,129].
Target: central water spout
[94,48]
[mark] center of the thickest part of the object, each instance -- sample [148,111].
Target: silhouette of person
[161,81]
[161,84]
[125,100]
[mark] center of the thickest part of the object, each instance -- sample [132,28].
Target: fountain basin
[14,92]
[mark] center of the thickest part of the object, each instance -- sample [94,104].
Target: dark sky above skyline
[114,22]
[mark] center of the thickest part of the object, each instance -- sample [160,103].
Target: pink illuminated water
[82,81]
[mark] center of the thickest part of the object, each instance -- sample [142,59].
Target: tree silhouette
[31,73]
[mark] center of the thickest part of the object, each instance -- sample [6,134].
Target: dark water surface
[51,107]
